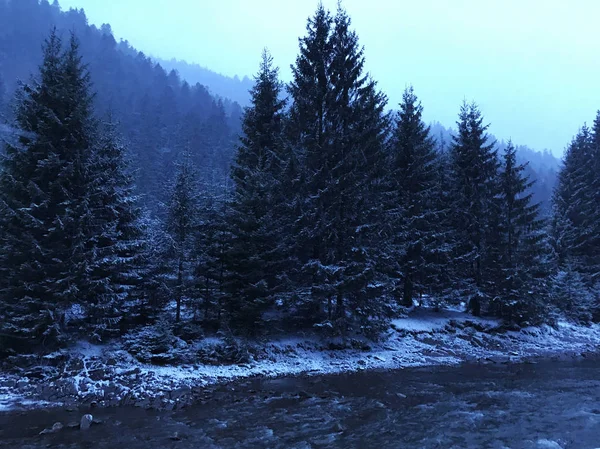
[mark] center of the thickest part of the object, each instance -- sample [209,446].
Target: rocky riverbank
[108,375]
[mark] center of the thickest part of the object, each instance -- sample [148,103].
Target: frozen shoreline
[109,376]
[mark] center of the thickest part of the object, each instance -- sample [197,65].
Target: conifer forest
[306,258]
[130,198]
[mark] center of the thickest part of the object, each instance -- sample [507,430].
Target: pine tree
[594,180]
[212,243]
[117,234]
[572,297]
[475,208]
[146,301]
[521,251]
[576,207]
[443,279]
[256,234]
[413,213]
[338,119]
[44,188]
[182,225]
[308,133]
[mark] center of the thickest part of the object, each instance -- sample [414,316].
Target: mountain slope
[159,115]
[235,89]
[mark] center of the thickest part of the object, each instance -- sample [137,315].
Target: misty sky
[532,65]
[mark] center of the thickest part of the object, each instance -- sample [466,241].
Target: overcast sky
[532,65]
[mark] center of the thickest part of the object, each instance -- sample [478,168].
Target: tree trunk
[179,289]
[407,298]
[206,298]
[339,306]
[475,305]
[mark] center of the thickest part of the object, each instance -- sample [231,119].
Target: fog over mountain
[235,89]
[118,67]
[527,64]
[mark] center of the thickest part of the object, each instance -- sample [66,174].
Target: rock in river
[86,422]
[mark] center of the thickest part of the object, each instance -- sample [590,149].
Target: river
[551,404]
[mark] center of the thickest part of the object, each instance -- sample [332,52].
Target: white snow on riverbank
[422,339]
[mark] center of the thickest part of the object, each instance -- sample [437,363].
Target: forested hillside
[234,89]
[158,114]
[135,205]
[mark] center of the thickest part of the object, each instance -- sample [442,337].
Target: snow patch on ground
[110,375]
[424,320]
[548,444]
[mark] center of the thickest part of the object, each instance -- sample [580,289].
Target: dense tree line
[335,214]
[158,115]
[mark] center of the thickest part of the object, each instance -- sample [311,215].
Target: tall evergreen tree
[256,233]
[213,240]
[44,188]
[182,225]
[594,176]
[338,118]
[521,251]
[475,208]
[413,213]
[443,283]
[576,207]
[308,133]
[117,234]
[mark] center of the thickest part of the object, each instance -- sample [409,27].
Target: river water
[545,405]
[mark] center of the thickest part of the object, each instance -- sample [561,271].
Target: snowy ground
[110,376]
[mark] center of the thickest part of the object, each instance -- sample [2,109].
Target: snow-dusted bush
[158,345]
[190,331]
[572,298]
[229,351]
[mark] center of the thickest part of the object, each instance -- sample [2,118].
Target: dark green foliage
[44,186]
[572,297]
[475,207]
[158,345]
[331,215]
[255,252]
[576,206]
[147,300]
[181,226]
[414,212]
[117,235]
[153,107]
[338,128]
[521,294]
[212,243]
[70,238]
[3,99]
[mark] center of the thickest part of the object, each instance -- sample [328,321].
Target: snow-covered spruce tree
[521,295]
[44,188]
[475,209]
[147,300]
[257,230]
[594,262]
[570,295]
[308,133]
[117,234]
[441,284]
[576,207]
[212,242]
[181,226]
[338,126]
[413,214]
